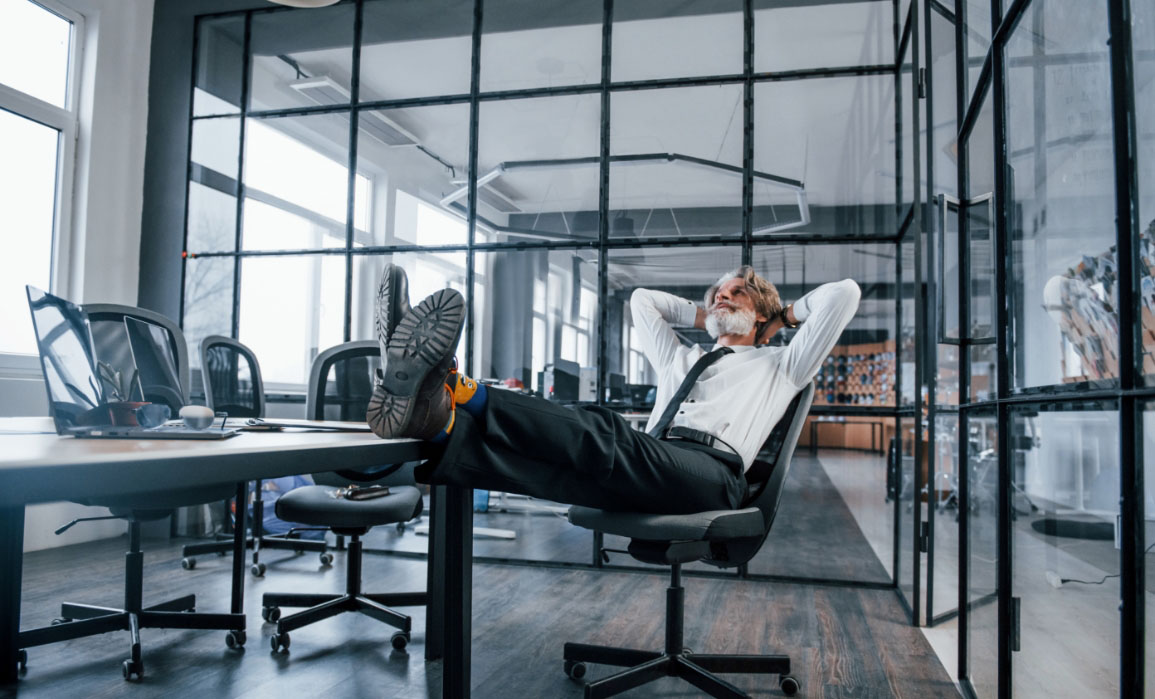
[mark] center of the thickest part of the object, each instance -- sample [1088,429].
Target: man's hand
[700,319]
[770,331]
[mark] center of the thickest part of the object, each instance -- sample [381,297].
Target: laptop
[76,398]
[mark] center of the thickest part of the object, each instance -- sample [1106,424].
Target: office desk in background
[36,467]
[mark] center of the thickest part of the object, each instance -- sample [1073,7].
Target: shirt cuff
[687,313]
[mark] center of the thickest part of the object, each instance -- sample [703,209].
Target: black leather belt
[687,433]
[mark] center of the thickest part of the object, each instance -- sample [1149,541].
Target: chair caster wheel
[399,640]
[131,668]
[188,563]
[258,570]
[575,670]
[61,620]
[235,639]
[326,559]
[400,527]
[789,685]
[279,642]
[271,614]
[22,660]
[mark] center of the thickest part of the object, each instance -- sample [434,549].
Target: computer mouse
[196,417]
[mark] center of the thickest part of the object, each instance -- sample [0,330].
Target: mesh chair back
[112,348]
[341,381]
[232,377]
[766,478]
[340,384]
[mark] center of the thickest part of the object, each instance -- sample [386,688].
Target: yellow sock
[462,386]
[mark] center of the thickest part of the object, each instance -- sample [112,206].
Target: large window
[38,55]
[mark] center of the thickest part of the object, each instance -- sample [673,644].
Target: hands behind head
[769,331]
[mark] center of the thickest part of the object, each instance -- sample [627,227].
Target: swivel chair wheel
[789,685]
[399,640]
[575,670]
[326,559]
[22,660]
[61,620]
[131,668]
[235,639]
[258,570]
[400,527]
[271,614]
[279,642]
[188,563]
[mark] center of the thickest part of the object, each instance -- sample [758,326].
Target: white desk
[37,467]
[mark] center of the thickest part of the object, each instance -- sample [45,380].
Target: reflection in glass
[1065,502]
[296,183]
[697,191]
[862,368]
[301,58]
[947,376]
[978,39]
[946,250]
[427,272]
[287,342]
[981,432]
[984,372]
[398,35]
[1143,61]
[903,490]
[906,351]
[208,303]
[944,486]
[1145,423]
[836,137]
[536,311]
[676,40]
[943,158]
[981,284]
[520,49]
[220,64]
[813,36]
[411,176]
[1062,177]
[538,171]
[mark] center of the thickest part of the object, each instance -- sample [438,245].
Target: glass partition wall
[546,163]
[1042,285]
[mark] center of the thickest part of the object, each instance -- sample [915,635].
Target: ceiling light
[305,3]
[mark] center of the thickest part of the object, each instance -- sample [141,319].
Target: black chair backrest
[232,377]
[766,478]
[341,381]
[112,348]
[340,385]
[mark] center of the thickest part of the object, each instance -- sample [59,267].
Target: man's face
[733,296]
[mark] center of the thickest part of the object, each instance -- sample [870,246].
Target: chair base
[82,620]
[324,606]
[648,666]
[283,543]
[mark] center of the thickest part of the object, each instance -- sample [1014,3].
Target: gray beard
[727,322]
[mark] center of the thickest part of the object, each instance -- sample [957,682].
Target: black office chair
[233,385]
[80,620]
[340,383]
[723,538]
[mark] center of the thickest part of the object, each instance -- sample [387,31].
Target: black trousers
[583,456]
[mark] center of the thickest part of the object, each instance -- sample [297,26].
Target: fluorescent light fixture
[305,3]
[324,90]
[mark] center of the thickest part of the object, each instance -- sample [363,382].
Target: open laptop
[76,397]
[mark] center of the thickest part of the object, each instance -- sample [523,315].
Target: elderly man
[712,413]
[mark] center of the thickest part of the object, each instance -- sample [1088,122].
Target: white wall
[103,250]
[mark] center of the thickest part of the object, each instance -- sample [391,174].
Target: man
[505,441]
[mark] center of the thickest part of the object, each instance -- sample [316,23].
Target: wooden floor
[844,642]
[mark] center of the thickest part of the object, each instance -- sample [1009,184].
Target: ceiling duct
[324,90]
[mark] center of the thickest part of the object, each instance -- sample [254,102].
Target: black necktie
[684,390]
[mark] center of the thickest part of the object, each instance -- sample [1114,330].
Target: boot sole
[421,343]
[393,287]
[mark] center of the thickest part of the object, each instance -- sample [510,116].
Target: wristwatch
[786,319]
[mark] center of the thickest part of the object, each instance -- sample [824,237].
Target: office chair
[80,620]
[233,385]
[340,383]
[722,538]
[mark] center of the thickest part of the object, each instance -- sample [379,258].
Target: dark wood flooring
[844,642]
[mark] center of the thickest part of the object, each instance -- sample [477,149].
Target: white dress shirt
[740,397]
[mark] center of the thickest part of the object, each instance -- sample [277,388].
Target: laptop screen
[65,344]
[155,364]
